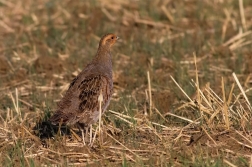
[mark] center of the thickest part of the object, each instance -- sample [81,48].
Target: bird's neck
[103,59]
[103,56]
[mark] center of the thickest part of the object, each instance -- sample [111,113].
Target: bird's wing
[81,100]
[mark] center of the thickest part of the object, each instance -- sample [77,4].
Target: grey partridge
[80,103]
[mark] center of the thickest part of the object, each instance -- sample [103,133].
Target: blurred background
[44,44]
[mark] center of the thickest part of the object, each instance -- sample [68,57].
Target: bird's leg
[59,129]
[90,133]
[83,137]
[86,133]
[81,128]
[91,144]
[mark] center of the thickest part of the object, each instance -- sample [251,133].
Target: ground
[182,82]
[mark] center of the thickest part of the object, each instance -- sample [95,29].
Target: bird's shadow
[46,130]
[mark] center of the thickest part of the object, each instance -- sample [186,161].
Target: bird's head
[108,40]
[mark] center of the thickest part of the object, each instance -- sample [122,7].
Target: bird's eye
[112,37]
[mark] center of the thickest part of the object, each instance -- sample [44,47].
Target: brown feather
[80,103]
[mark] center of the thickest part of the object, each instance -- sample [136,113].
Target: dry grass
[182,76]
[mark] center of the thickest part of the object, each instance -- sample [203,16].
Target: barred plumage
[80,103]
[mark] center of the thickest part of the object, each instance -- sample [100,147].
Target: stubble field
[182,82]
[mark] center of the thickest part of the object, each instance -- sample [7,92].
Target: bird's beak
[117,37]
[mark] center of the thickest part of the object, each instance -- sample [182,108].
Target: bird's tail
[58,118]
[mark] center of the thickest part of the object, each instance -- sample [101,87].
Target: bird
[80,104]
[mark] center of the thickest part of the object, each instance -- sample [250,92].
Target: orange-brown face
[109,39]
